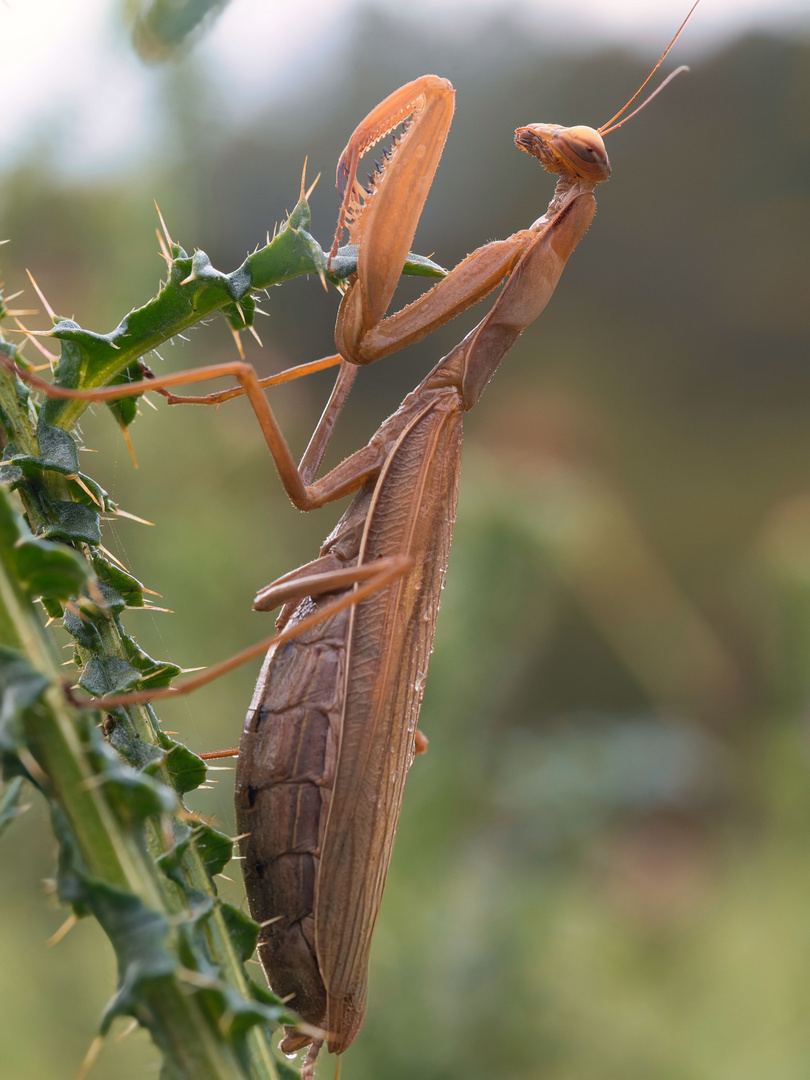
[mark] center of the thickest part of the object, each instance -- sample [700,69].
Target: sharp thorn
[78,480]
[169,240]
[89,1059]
[41,295]
[133,1025]
[311,187]
[133,517]
[130,447]
[164,251]
[52,357]
[238,341]
[29,333]
[113,558]
[67,925]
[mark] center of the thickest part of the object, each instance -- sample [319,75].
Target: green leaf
[110,574]
[344,265]
[103,599]
[215,848]
[57,449]
[154,674]
[422,266]
[300,218]
[43,568]
[266,996]
[243,930]
[82,630]
[139,937]
[126,408]
[58,452]
[91,494]
[108,675]
[136,795]
[244,1015]
[241,315]
[124,739]
[53,609]
[73,522]
[187,771]
[11,475]
[46,568]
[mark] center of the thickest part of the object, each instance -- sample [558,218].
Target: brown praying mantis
[331,731]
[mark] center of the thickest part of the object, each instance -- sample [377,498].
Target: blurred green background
[602,868]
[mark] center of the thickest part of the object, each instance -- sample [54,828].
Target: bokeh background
[603,865]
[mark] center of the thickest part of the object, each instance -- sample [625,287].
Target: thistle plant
[130,853]
[160,27]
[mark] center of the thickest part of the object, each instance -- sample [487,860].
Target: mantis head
[578,152]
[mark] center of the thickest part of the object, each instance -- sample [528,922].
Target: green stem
[109,852]
[60,757]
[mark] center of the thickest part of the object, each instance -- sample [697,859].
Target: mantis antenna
[606,128]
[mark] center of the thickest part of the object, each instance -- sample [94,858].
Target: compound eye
[587,151]
[584,145]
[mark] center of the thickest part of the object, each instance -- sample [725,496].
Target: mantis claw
[382,218]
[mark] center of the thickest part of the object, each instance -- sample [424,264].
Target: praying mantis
[331,731]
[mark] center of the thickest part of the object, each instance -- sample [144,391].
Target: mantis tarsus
[331,731]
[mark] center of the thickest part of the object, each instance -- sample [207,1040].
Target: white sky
[69,82]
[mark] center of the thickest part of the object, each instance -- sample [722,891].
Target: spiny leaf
[215,847]
[140,938]
[108,675]
[49,569]
[187,771]
[243,930]
[154,674]
[74,522]
[43,568]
